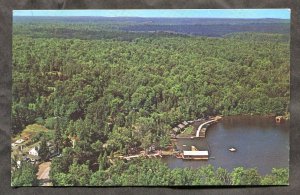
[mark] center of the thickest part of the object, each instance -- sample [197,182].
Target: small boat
[178,156]
[232,149]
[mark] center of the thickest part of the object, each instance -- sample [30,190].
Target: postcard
[156,97]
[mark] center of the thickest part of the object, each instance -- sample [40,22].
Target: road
[43,174]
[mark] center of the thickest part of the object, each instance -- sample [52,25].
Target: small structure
[185,123]
[34,154]
[176,129]
[34,151]
[193,148]
[279,119]
[181,126]
[19,141]
[18,164]
[195,155]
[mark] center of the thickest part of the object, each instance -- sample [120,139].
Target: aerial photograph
[150,97]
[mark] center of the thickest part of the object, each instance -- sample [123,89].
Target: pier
[158,154]
[201,131]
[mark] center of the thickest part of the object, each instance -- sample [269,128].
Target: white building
[34,154]
[18,164]
[195,155]
[34,151]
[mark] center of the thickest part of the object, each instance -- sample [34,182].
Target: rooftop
[195,153]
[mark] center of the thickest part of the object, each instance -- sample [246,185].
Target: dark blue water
[260,143]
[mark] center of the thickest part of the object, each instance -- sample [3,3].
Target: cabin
[34,154]
[176,129]
[185,123]
[181,126]
[34,151]
[195,155]
[279,119]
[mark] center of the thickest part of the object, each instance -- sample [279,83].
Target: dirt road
[43,174]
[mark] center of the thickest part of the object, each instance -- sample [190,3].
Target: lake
[259,141]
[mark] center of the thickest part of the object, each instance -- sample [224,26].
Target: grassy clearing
[30,131]
[188,131]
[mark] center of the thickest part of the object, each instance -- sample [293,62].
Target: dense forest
[209,30]
[116,91]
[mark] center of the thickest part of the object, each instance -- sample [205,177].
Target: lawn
[188,131]
[30,131]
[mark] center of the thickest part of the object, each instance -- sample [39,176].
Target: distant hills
[211,27]
[161,21]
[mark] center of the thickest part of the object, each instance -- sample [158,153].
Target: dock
[195,155]
[201,131]
[156,155]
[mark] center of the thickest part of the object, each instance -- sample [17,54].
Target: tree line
[147,172]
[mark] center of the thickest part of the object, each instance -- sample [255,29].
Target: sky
[172,13]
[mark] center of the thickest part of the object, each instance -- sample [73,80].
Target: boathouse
[195,155]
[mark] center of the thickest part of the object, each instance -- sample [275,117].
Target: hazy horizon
[160,17]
